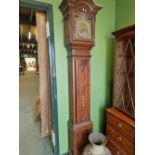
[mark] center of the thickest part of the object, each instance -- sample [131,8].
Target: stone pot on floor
[97,145]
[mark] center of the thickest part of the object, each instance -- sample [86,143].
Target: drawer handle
[119,138]
[120,125]
[117,153]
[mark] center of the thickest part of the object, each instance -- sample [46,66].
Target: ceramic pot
[97,145]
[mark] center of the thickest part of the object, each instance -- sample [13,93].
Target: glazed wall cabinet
[124,71]
[120,118]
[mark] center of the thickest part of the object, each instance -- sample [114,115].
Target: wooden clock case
[78,49]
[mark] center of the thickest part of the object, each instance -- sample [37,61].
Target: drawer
[123,128]
[120,140]
[114,148]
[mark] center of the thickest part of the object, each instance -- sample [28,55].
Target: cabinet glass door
[124,76]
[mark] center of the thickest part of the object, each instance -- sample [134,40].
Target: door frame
[48,8]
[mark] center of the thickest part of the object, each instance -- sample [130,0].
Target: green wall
[101,62]
[125,13]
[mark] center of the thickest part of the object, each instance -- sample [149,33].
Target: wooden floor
[30,141]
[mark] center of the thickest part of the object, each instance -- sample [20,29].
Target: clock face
[82,27]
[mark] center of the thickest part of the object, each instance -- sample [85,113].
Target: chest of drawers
[120,133]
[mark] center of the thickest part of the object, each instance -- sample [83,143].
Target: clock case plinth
[78,49]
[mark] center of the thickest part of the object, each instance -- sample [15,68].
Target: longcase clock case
[79,31]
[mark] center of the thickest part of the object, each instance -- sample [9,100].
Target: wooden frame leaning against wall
[51,53]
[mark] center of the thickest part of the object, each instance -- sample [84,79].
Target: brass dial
[82,27]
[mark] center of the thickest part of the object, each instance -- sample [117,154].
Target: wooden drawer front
[120,140]
[122,127]
[114,148]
